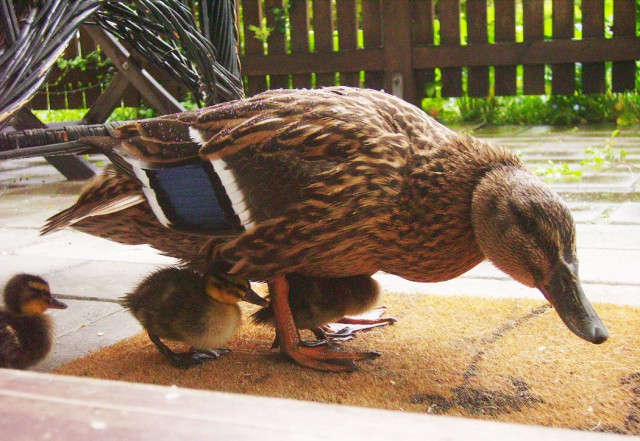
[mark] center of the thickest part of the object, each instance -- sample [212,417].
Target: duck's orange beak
[562,289]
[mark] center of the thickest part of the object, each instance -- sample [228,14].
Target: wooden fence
[409,46]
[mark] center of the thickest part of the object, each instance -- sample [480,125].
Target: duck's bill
[565,294]
[252,297]
[57,304]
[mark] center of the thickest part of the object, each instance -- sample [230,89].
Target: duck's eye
[525,221]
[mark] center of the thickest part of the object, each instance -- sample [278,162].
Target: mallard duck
[316,302]
[26,333]
[343,181]
[180,304]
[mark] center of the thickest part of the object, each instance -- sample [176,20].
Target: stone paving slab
[626,213]
[92,325]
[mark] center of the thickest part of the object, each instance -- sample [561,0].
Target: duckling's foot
[371,319]
[211,353]
[330,336]
[320,358]
[185,360]
[334,334]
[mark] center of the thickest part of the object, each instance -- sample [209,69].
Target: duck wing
[108,193]
[283,161]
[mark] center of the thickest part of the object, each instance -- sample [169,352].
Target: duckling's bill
[57,304]
[564,292]
[252,297]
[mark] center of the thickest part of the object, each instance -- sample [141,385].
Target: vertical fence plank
[299,17]
[563,76]
[396,40]
[277,43]
[323,36]
[593,79]
[624,17]
[478,84]
[423,14]
[347,15]
[449,13]
[252,16]
[372,30]
[533,15]
[505,76]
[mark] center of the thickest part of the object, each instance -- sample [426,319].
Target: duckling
[316,302]
[26,334]
[180,304]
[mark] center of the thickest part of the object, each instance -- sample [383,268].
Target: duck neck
[437,235]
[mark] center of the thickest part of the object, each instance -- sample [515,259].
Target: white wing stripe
[153,201]
[234,192]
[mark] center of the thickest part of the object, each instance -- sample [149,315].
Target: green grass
[622,109]
[69,115]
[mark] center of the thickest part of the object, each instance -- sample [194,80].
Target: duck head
[227,288]
[29,294]
[528,232]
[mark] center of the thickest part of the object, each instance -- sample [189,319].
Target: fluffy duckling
[181,305]
[26,333]
[317,301]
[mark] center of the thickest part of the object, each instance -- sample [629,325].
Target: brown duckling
[317,301]
[180,304]
[26,333]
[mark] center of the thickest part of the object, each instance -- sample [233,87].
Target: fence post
[396,43]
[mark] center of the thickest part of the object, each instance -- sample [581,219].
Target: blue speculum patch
[193,198]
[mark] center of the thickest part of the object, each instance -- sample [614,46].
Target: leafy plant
[601,158]
[597,159]
[262,32]
[558,171]
[281,17]
[93,60]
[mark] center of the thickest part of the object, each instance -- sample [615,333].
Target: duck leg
[320,358]
[185,360]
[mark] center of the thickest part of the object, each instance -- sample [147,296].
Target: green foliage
[129,113]
[263,32]
[93,60]
[119,114]
[281,17]
[558,171]
[624,109]
[61,115]
[597,159]
[601,158]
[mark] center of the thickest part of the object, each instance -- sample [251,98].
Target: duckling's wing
[9,343]
[110,192]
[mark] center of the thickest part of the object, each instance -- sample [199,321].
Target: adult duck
[340,182]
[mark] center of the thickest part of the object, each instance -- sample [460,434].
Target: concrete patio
[91,273]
